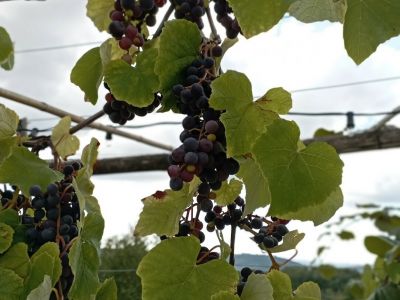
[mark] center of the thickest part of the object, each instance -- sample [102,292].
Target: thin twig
[232,243]
[165,19]
[215,34]
[77,119]
[87,121]
[290,259]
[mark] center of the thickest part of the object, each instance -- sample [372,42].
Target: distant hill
[261,262]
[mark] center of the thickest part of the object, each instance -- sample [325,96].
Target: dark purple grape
[256,223]
[176,184]
[191,144]
[34,191]
[211,126]
[205,145]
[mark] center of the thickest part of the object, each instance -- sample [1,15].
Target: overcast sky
[292,55]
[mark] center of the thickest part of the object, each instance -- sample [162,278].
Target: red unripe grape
[117,16]
[125,43]
[131,32]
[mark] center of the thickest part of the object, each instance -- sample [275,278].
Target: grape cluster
[55,217]
[203,149]
[192,96]
[202,153]
[120,112]
[126,20]
[216,217]
[269,236]
[231,25]
[191,10]
[244,275]
[192,227]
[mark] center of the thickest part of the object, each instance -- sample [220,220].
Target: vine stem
[165,19]
[275,265]
[61,113]
[212,25]
[232,244]
[87,121]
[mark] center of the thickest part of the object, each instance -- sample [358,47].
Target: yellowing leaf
[166,209]
[8,122]
[82,184]
[289,242]
[99,11]
[65,143]
[228,192]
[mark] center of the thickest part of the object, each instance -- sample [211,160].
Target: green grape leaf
[43,291]
[256,16]
[110,50]
[6,147]
[257,287]
[43,264]
[307,291]
[309,11]
[176,53]
[197,282]
[228,192]
[393,271]
[327,271]
[17,259]
[99,11]
[82,184]
[277,100]
[296,178]
[166,209]
[257,188]
[135,85]
[378,245]
[11,285]
[322,132]
[65,143]
[282,286]
[53,251]
[346,235]
[8,121]
[6,50]
[22,159]
[107,290]
[289,242]
[9,64]
[319,213]
[84,258]
[87,74]
[10,217]
[367,24]
[224,296]
[6,237]
[244,120]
